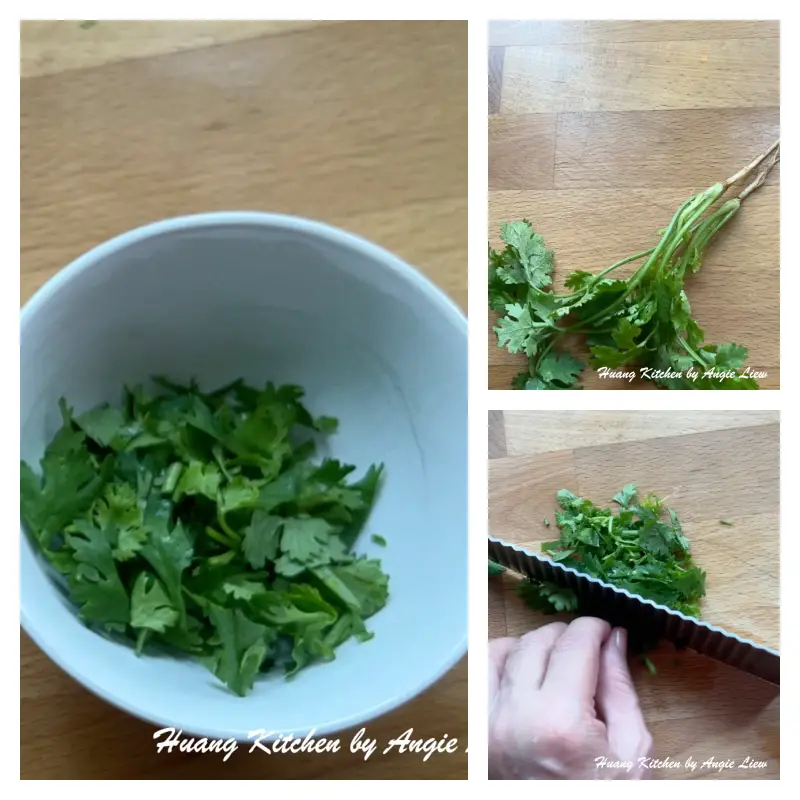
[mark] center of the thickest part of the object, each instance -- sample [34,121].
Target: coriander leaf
[559,368]
[69,485]
[119,507]
[305,615]
[239,493]
[362,586]
[348,626]
[288,567]
[169,553]
[547,304]
[536,259]
[151,608]
[367,488]
[305,540]
[625,495]
[262,538]
[242,586]
[730,356]
[562,598]
[105,425]
[325,424]
[546,597]
[517,331]
[199,479]
[495,569]
[610,357]
[560,555]
[579,280]
[280,491]
[653,540]
[265,433]
[187,638]
[95,584]
[297,607]
[244,646]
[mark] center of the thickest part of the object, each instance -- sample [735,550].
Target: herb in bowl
[198,523]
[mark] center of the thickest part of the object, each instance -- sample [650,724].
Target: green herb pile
[197,523]
[644,321]
[640,548]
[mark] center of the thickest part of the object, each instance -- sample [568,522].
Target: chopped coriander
[640,548]
[198,523]
[495,569]
[726,523]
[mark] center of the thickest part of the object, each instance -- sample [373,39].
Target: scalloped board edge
[633,611]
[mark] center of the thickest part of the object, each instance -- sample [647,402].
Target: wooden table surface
[362,125]
[710,466]
[598,131]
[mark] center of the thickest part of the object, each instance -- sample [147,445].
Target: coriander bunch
[644,320]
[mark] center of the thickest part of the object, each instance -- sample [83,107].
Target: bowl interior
[264,298]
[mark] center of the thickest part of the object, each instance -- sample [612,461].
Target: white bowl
[270,298]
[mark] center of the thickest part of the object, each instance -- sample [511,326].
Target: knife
[641,617]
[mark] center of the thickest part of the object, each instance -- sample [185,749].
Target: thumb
[618,702]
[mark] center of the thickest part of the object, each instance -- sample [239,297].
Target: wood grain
[716,466]
[497,435]
[507,33]
[495,78]
[525,153]
[362,125]
[635,76]
[605,128]
[53,46]
[566,430]
[136,141]
[660,149]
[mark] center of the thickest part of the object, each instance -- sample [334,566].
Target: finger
[618,702]
[575,661]
[499,650]
[526,665]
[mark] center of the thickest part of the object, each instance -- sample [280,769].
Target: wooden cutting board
[598,131]
[359,124]
[710,466]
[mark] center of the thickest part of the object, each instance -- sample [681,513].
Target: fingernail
[621,640]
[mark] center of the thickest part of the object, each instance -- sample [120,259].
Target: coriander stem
[547,349]
[689,206]
[218,537]
[600,275]
[691,352]
[171,478]
[236,539]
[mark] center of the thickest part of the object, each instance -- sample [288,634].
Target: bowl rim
[255,219]
[423,286]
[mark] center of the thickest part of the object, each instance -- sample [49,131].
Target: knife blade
[640,616]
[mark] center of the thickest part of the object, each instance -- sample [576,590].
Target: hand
[561,700]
